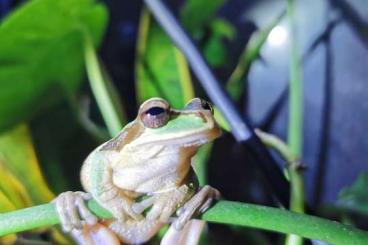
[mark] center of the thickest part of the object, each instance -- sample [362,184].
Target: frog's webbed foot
[199,203]
[72,210]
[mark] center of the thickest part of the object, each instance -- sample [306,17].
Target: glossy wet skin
[151,157]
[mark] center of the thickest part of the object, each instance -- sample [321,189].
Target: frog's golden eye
[154,113]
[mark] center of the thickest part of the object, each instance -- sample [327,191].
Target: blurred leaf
[215,50]
[41,55]
[5,204]
[221,120]
[251,52]
[195,14]
[20,159]
[355,197]
[12,188]
[161,70]
[8,239]
[224,28]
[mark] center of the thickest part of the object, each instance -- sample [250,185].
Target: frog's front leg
[162,206]
[199,203]
[97,179]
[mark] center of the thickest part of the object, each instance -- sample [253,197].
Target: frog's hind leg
[135,232]
[189,235]
[97,234]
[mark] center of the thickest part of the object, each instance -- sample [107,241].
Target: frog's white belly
[151,170]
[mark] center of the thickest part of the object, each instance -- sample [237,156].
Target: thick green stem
[224,212]
[100,90]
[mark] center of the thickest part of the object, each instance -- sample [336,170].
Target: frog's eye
[154,113]
[155,117]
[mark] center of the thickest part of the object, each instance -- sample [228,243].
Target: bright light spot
[277,36]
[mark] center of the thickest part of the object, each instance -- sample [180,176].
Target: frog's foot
[199,203]
[72,210]
[166,203]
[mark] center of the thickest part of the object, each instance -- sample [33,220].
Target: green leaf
[195,14]
[12,188]
[41,54]
[18,156]
[223,28]
[355,197]
[161,69]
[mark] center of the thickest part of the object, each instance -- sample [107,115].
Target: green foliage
[215,50]
[161,69]
[41,54]
[18,157]
[196,14]
[355,197]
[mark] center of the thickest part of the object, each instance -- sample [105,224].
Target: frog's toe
[61,209]
[139,207]
[196,205]
[85,213]
[166,213]
[72,210]
[155,212]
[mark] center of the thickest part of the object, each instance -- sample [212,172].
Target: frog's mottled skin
[147,166]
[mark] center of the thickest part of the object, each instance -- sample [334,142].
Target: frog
[144,175]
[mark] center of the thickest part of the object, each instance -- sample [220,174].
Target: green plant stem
[224,212]
[100,90]
[293,166]
[295,124]
[295,91]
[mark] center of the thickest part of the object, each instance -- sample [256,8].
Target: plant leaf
[355,197]
[161,70]
[195,14]
[41,55]
[18,156]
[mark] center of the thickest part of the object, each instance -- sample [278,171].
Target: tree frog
[143,176]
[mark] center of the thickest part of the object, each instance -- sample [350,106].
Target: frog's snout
[198,104]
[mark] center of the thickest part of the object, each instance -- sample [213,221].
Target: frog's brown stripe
[130,132]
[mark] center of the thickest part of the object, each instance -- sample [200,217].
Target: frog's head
[160,124]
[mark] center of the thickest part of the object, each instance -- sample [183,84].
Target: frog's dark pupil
[154,111]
